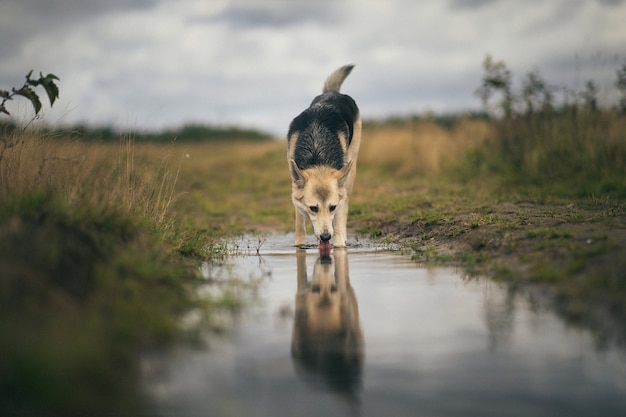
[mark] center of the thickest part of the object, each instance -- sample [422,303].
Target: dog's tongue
[324,248]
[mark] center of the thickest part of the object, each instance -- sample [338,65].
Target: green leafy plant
[28,91]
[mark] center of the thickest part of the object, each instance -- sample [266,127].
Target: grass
[418,185]
[231,188]
[91,272]
[98,236]
[570,153]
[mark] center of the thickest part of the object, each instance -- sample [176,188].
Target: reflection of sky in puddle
[432,344]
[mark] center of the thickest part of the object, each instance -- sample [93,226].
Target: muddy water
[366,332]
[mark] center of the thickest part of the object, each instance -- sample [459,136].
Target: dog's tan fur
[322,193]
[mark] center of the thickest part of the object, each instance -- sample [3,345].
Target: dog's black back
[319,127]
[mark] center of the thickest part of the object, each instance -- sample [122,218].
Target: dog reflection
[327,343]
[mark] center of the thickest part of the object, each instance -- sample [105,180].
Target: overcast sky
[149,64]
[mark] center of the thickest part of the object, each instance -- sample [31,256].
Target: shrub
[574,149]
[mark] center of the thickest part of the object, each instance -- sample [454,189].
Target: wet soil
[575,252]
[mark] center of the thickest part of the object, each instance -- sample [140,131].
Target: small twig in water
[260,242]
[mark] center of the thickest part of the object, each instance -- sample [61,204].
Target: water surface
[367,332]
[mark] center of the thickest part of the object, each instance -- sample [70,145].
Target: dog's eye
[314,209]
[332,208]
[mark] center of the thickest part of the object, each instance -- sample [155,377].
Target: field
[99,240]
[421,185]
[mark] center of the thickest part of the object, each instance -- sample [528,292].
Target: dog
[323,145]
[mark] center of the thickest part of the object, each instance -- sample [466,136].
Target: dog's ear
[343,173]
[296,175]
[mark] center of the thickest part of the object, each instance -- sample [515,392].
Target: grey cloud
[278,14]
[73,8]
[469,4]
[611,3]
[561,13]
[410,56]
[41,17]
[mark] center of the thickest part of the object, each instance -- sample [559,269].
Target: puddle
[369,333]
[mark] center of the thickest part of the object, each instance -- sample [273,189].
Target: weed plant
[567,154]
[575,149]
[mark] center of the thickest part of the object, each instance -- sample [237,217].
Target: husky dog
[323,144]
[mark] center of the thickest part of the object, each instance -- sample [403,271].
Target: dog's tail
[334,80]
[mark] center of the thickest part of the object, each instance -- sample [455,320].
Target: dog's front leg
[300,228]
[340,226]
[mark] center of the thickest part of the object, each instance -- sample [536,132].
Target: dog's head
[319,192]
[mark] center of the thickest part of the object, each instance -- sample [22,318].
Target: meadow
[101,234]
[99,240]
[92,272]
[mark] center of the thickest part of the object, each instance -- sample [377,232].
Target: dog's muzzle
[325,237]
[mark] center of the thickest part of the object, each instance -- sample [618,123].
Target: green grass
[81,294]
[568,153]
[91,274]
[100,239]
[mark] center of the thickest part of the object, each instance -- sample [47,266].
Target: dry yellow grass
[224,187]
[123,176]
[232,187]
[87,273]
[420,147]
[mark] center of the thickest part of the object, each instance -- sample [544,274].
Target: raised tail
[334,80]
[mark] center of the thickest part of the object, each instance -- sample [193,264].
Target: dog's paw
[339,243]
